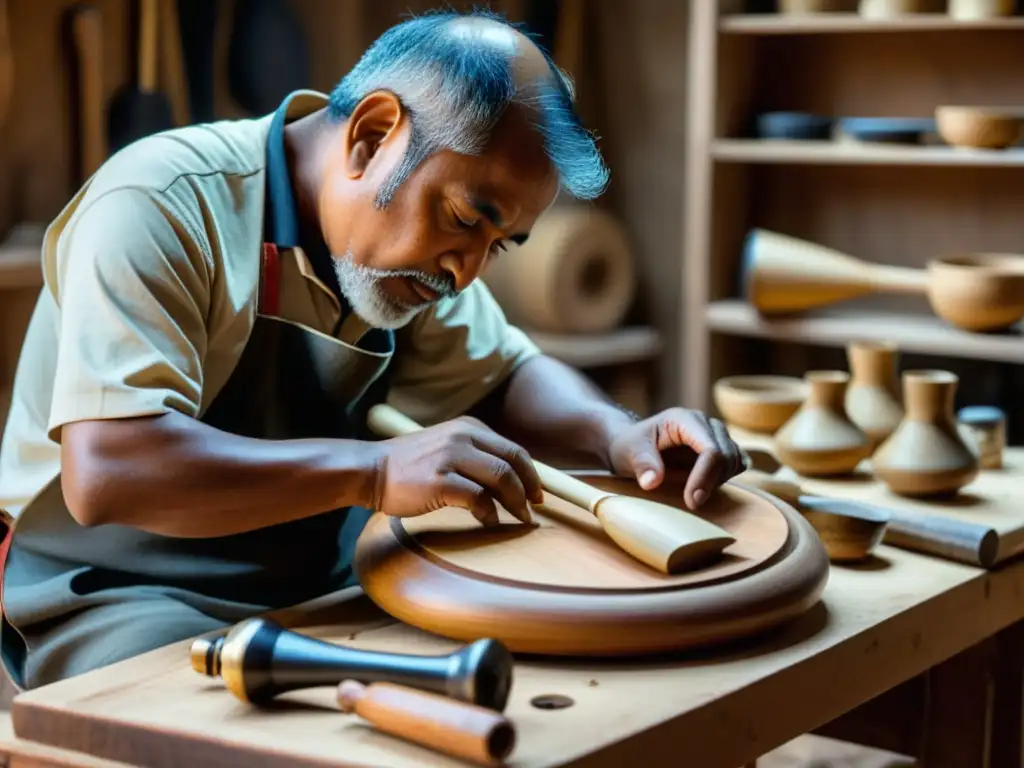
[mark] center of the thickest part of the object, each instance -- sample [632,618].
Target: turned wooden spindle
[977,292]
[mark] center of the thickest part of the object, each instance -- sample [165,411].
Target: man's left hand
[678,438]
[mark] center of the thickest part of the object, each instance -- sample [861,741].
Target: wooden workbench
[935,635]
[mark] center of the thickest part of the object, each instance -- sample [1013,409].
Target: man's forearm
[549,407]
[175,476]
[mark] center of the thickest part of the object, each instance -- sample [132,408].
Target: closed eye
[461,222]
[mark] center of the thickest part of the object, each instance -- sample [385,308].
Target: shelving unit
[20,268]
[782,24]
[887,203]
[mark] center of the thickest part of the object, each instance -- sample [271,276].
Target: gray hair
[456,88]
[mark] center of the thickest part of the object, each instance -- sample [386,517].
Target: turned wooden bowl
[978,127]
[847,536]
[759,403]
[978,292]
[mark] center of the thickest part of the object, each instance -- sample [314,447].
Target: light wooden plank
[874,629]
[843,153]
[847,23]
[835,327]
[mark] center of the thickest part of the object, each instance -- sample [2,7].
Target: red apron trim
[270,284]
[7,525]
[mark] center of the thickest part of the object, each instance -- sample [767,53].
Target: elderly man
[224,302]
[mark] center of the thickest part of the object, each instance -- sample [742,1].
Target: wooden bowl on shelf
[976,10]
[793,126]
[759,403]
[977,292]
[890,9]
[816,6]
[887,130]
[978,127]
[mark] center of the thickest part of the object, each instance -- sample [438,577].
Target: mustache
[443,285]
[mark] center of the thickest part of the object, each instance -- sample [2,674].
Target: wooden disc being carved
[569,548]
[565,588]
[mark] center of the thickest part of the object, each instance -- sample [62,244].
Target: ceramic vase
[926,455]
[820,439]
[872,396]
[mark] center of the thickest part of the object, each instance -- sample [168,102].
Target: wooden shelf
[843,153]
[625,345]
[20,268]
[923,334]
[831,23]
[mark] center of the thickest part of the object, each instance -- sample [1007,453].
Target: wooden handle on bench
[449,726]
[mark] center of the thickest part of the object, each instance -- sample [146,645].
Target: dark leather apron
[77,598]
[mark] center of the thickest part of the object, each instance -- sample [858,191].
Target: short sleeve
[454,354]
[133,291]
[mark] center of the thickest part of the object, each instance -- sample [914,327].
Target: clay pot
[820,439]
[983,428]
[872,396]
[758,403]
[926,455]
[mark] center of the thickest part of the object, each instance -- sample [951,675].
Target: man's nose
[464,266]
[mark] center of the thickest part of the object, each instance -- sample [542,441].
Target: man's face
[452,215]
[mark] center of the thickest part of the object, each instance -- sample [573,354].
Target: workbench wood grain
[877,626]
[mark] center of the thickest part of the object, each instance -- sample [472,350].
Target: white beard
[362,289]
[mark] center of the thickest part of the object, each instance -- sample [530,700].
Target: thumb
[647,465]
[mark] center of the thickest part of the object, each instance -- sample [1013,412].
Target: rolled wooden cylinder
[574,275]
[452,727]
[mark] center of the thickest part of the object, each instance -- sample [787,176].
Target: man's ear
[375,120]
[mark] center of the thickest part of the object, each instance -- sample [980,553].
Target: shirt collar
[281,223]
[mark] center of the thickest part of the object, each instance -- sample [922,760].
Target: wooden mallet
[666,538]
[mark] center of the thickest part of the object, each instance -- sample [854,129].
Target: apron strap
[270,281]
[7,531]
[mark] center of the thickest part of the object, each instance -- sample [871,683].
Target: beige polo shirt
[151,275]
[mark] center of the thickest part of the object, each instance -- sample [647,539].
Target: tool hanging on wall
[268,56]
[6,65]
[141,110]
[172,65]
[87,30]
[198,20]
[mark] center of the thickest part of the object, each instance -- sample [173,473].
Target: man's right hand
[459,463]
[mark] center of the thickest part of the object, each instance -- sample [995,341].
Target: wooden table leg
[973,710]
[957,710]
[1007,699]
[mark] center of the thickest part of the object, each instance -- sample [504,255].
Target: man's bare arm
[175,476]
